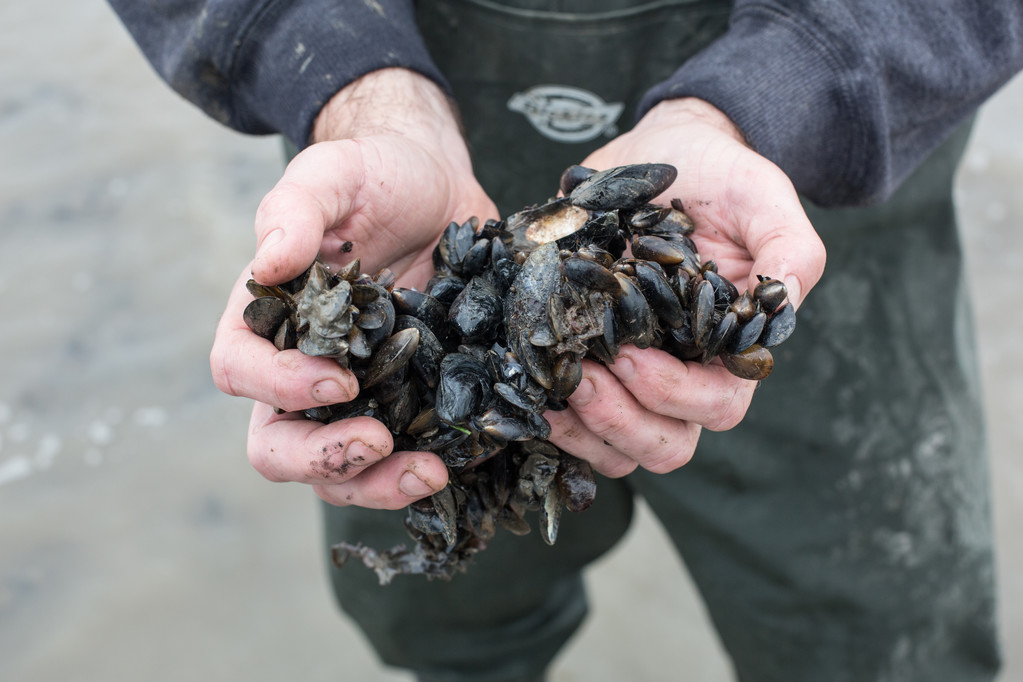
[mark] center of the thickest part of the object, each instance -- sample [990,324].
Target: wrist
[693,111]
[388,101]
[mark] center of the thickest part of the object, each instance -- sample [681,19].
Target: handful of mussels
[467,367]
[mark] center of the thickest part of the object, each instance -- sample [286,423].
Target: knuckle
[220,371]
[666,393]
[661,388]
[609,423]
[272,202]
[282,371]
[337,495]
[617,468]
[393,502]
[731,410]
[672,460]
[263,461]
[819,255]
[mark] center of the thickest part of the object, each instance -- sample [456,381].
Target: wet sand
[137,541]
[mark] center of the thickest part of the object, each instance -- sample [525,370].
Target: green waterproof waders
[842,531]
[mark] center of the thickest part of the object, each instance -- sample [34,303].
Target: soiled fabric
[847,97]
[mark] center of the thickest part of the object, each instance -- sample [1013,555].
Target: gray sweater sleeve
[849,96]
[846,96]
[263,66]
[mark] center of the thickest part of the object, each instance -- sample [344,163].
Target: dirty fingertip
[334,390]
[424,475]
[412,486]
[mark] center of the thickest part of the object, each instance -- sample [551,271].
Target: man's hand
[388,171]
[648,408]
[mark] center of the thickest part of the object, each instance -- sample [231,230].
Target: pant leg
[504,619]
[843,530]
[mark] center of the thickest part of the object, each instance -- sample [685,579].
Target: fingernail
[413,486]
[623,367]
[584,394]
[793,290]
[329,391]
[361,454]
[270,241]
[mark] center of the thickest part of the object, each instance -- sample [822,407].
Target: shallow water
[137,541]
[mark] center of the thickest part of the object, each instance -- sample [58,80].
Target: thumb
[791,252]
[315,194]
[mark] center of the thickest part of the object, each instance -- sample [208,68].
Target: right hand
[390,173]
[648,409]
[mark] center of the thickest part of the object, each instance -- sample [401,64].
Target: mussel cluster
[467,367]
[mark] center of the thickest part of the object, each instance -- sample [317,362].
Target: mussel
[468,367]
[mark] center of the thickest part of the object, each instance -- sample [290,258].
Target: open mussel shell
[549,222]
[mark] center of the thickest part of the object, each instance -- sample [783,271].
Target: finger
[316,193]
[244,364]
[710,395]
[570,434]
[783,242]
[346,462]
[397,481]
[796,261]
[286,447]
[656,442]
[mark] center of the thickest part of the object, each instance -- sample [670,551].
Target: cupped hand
[383,191]
[648,409]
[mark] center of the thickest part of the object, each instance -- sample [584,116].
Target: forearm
[394,101]
[270,66]
[848,97]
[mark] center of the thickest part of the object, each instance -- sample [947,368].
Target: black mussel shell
[779,326]
[769,293]
[476,311]
[572,176]
[464,386]
[624,187]
[754,363]
[265,315]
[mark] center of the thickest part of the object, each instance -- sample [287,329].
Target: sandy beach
[137,542]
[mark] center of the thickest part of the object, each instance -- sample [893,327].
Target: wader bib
[842,530]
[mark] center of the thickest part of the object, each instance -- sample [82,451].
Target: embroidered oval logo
[566,114]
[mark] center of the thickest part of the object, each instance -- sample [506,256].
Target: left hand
[648,408]
[388,171]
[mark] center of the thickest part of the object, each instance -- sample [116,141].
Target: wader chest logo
[566,114]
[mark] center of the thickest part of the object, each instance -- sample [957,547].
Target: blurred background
[135,540]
